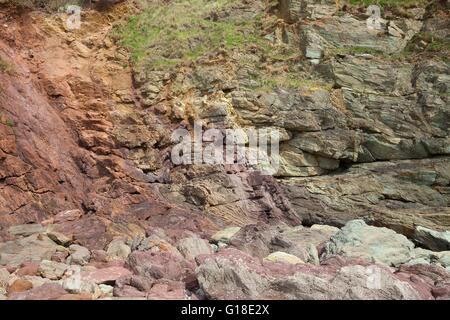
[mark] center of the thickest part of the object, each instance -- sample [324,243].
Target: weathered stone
[79,296]
[79,255]
[118,250]
[283,257]
[59,238]
[51,269]
[325,228]
[193,246]
[107,291]
[48,291]
[34,248]
[233,275]
[156,244]
[4,280]
[27,269]
[105,275]
[26,230]
[393,194]
[69,215]
[157,265]
[431,239]
[381,245]
[19,285]
[225,235]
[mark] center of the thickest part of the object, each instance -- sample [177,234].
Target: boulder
[118,249]
[431,239]
[27,269]
[193,246]
[381,245]
[105,275]
[225,235]
[230,274]
[52,270]
[68,215]
[19,285]
[283,257]
[4,280]
[25,230]
[158,265]
[59,238]
[48,291]
[34,248]
[79,255]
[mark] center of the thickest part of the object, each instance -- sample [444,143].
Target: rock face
[93,207]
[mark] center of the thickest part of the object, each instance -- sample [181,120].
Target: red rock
[90,232]
[60,256]
[99,256]
[68,215]
[158,265]
[128,291]
[231,274]
[19,285]
[161,291]
[27,269]
[105,275]
[48,291]
[80,296]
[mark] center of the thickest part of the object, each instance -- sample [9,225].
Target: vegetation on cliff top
[389,3]
[166,34]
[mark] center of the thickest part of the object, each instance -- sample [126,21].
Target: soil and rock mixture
[92,207]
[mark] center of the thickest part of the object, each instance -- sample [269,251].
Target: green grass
[388,3]
[425,42]
[164,35]
[354,51]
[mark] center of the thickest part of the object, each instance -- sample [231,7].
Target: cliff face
[86,119]
[64,96]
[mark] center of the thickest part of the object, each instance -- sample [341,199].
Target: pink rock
[158,265]
[428,279]
[90,232]
[231,274]
[27,269]
[161,291]
[105,275]
[68,215]
[48,291]
[60,256]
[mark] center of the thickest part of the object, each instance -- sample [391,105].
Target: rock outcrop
[93,207]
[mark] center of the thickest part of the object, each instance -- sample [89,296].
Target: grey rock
[52,270]
[34,248]
[381,245]
[194,246]
[283,257]
[232,275]
[26,230]
[431,239]
[118,249]
[78,255]
[59,238]
[4,280]
[225,235]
